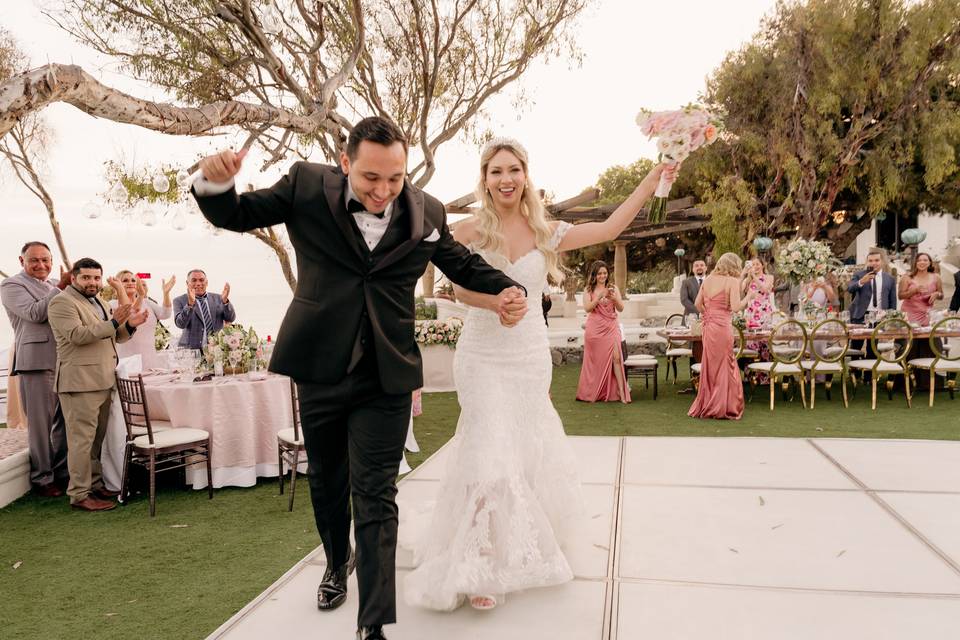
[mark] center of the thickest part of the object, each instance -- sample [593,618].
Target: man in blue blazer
[873,289]
[201,314]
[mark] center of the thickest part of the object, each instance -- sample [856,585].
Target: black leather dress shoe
[371,633]
[333,589]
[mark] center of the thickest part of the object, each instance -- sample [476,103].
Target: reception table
[242,416]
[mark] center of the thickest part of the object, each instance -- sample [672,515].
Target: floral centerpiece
[679,133]
[739,321]
[234,347]
[805,260]
[439,332]
[161,337]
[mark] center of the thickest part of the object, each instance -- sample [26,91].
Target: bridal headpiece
[502,141]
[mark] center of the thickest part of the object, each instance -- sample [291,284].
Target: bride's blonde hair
[489,229]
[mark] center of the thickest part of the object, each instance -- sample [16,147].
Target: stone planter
[437,368]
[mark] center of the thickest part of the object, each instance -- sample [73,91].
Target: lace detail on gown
[510,496]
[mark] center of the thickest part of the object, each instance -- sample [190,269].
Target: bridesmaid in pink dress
[721,391]
[602,377]
[920,290]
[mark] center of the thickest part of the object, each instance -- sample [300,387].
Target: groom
[363,236]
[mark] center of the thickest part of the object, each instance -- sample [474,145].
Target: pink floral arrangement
[678,133]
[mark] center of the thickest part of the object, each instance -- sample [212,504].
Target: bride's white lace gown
[510,496]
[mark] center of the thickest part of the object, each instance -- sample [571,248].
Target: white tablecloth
[242,416]
[437,368]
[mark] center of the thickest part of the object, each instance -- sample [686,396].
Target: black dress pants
[354,434]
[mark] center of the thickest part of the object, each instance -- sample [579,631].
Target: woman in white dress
[142,341]
[510,497]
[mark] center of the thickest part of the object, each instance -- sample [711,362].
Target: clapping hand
[191,297]
[141,294]
[119,290]
[168,285]
[137,318]
[123,313]
[511,306]
[225,296]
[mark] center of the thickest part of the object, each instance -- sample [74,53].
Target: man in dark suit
[873,289]
[955,300]
[363,236]
[26,297]
[199,313]
[690,287]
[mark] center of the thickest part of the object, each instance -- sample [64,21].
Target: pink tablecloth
[242,416]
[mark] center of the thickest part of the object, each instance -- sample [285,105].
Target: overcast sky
[637,54]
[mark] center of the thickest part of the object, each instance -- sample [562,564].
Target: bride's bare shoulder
[465,231]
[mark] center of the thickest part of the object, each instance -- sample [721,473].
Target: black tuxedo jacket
[342,287]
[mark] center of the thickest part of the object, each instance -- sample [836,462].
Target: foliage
[425,310]
[843,105]
[724,205]
[138,184]
[618,182]
[659,279]
[438,332]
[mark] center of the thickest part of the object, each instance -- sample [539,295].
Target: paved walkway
[709,538]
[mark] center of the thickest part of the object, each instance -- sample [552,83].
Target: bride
[510,497]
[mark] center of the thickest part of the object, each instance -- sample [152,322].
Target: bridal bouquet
[678,133]
[235,348]
[806,260]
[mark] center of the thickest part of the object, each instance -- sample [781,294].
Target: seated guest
[86,336]
[603,377]
[691,287]
[26,297]
[873,289]
[143,341]
[199,313]
[920,289]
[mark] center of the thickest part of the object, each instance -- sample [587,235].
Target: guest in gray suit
[691,287]
[25,297]
[199,313]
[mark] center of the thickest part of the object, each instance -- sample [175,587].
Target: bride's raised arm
[591,233]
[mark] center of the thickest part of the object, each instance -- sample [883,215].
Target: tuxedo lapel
[413,201]
[334,188]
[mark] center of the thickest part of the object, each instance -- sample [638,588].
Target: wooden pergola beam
[586,197]
[662,230]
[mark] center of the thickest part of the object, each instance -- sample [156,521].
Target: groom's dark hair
[374,129]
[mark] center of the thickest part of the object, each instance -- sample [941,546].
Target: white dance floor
[708,538]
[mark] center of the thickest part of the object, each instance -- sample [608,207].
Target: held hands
[225,296]
[511,306]
[223,166]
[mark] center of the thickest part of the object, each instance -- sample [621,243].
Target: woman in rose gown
[919,290]
[721,391]
[602,377]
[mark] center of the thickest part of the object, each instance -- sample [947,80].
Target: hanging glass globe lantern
[90,210]
[161,183]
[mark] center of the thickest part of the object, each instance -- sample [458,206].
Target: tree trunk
[842,238]
[36,89]
[269,238]
[428,279]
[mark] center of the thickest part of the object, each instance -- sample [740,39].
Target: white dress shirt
[878,283]
[372,227]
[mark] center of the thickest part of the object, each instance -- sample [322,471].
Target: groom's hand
[511,306]
[223,166]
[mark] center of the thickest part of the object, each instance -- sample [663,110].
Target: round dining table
[242,414]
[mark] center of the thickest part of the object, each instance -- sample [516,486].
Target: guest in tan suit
[86,337]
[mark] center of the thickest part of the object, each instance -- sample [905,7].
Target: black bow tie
[355,206]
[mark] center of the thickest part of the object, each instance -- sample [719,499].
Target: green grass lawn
[124,575]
